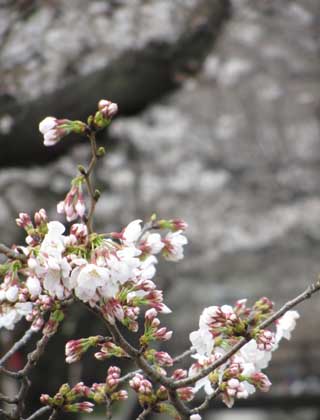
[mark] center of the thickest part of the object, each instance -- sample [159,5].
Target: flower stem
[88,180]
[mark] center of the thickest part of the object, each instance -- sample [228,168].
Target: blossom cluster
[115,273]
[219,329]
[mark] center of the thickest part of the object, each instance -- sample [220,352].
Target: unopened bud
[101,151]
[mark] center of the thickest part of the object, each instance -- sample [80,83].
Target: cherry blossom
[286,324]
[173,246]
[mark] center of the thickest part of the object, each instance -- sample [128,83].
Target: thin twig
[108,409]
[128,376]
[8,400]
[25,385]
[183,355]
[181,408]
[88,181]
[53,415]
[177,359]
[143,415]
[9,372]
[17,345]
[206,402]
[6,414]
[10,253]
[39,412]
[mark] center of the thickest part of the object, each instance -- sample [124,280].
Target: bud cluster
[73,205]
[76,348]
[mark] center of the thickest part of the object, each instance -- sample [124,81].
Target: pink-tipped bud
[113,376]
[186,393]
[107,108]
[81,390]
[178,224]
[82,407]
[261,381]
[150,314]
[24,221]
[119,396]
[265,340]
[163,335]
[45,398]
[40,217]
[54,130]
[79,230]
[140,385]
[179,374]
[163,358]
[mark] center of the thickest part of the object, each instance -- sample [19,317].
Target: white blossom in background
[286,324]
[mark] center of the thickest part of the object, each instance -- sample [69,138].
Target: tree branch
[10,253]
[39,413]
[88,180]
[20,343]
[143,415]
[206,402]
[182,409]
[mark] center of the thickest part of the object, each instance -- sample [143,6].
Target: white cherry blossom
[34,286]
[12,293]
[132,232]
[90,277]
[286,324]
[173,246]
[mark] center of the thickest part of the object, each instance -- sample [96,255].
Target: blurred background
[219,124]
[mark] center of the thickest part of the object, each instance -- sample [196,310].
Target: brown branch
[108,409]
[54,414]
[88,180]
[289,305]
[177,359]
[182,409]
[17,345]
[9,372]
[143,415]
[206,402]
[7,415]
[8,400]
[25,385]
[183,355]
[39,412]
[35,355]
[10,253]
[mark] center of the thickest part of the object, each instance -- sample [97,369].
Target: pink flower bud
[261,381]
[24,221]
[44,398]
[163,358]
[186,393]
[107,108]
[120,395]
[179,374]
[163,335]
[150,314]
